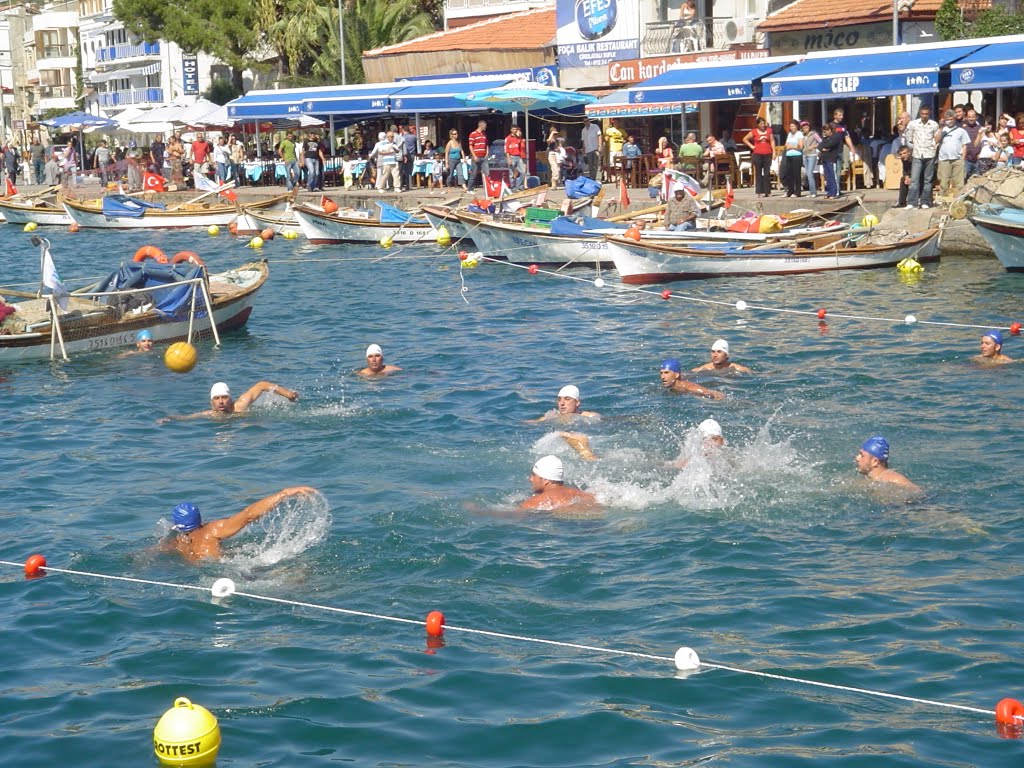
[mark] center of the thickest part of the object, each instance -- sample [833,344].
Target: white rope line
[527,639]
[757,307]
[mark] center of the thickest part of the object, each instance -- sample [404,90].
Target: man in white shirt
[922,135]
[953,143]
[592,148]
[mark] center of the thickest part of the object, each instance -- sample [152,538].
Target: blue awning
[439,95]
[889,71]
[267,105]
[722,81]
[998,65]
[364,98]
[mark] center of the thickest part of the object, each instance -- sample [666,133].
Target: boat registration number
[588,246]
[796,259]
[104,342]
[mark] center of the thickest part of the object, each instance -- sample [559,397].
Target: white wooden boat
[640,262]
[105,316]
[139,214]
[1003,229]
[349,227]
[253,221]
[443,216]
[40,212]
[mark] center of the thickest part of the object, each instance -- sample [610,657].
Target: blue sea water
[779,557]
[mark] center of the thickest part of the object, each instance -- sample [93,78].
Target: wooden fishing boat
[252,221]
[123,212]
[642,262]
[40,212]
[1003,229]
[444,216]
[169,300]
[348,226]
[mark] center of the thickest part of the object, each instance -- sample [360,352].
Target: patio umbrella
[525,95]
[78,121]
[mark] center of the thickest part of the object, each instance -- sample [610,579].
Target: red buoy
[73,227]
[533,269]
[666,294]
[1015,329]
[822,313]
[1010,712]
[435,623]
[34,565]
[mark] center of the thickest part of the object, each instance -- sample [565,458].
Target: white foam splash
[293,526]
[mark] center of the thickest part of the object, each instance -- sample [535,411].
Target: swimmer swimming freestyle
[222,404]
[872,461]
[194,540]
[549,489]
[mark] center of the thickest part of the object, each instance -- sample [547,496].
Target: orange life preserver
[190,256]
[150,252]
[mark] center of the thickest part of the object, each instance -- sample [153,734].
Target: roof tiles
[824,14]
[526,30]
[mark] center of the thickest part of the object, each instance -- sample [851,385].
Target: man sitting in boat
[872,461]
[567,405]
[375,363]
[992,349]
[549,489]
[680,211]
[720,359]
[672,380]
[194,541]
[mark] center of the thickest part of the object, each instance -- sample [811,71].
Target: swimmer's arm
[697,389]
[546,417]
[229,526]
[391,368]
[257,389]
[741,368]
[705,367]
[188,417]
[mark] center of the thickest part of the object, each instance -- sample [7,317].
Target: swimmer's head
[876,446]
[672,365]
[720,346]
[185,517]
[144,335]
[670,372]
[220,389]
[709,428]
[568,399]
[720,353]
[220,398]
[144,341]
[994,339]
[373,350]
[549,468]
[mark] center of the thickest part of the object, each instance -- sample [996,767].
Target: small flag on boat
[624,200]
[154,182]
[11,189]
[729,197]
[495,187]
[204,184]
[674,179]
[52,280]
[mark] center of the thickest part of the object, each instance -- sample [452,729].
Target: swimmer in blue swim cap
[992,349]
[672,380]
[194,541]
[143,343]
[872,461]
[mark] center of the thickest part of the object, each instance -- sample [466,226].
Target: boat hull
[647,263]
[519,244]
[19,214]
[92,217]
[326,229]
[230,312]
[1006,236]
[439,216]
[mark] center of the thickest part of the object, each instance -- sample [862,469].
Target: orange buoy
[73,227]
[1015,329]
[633,233]
[533,269]
[190,256]
[435,623]
[267,234]
[821,313]
[666,294]
[1010,712]
[150,252]
[329,205]
[34,565]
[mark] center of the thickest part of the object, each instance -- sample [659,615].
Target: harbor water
[776,556]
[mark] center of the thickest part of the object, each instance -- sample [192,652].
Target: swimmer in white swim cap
[720,360]
[222,404]
[375,365]
[549,489]
[567,405]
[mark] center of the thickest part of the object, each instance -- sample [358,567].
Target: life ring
[150,252]
[190,256]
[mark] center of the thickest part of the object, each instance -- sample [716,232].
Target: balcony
[56,91]
[126,51]
[667,37]
[130,97]
[56,57]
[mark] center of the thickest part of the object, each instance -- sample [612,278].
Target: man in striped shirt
[478,149]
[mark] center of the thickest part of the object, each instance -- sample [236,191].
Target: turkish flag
[154,182]
[728,194]
[11,189]
[624,200]
[492,187]
[230,194]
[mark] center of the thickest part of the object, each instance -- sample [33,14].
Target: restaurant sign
[831,39]
[638,70]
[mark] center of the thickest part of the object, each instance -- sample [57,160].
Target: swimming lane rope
[1008,714]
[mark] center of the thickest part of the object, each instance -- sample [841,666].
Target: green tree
[373,24]
[221,91]
[954,21]
[226,29]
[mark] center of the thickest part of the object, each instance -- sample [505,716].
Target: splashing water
[294,525]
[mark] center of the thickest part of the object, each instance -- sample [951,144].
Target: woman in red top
[761,141]
[664,153]
[1017,140]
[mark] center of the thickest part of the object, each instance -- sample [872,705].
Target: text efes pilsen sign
[592,33]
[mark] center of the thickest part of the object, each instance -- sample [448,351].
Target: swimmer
[143,343]
[193,540]
[567,405]
[672,380]
[375,363]
[992,349]
[549,489]
[221,403]
[720,359]
[712,441]
[872,461]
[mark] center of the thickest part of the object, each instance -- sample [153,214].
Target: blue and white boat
[1003,229]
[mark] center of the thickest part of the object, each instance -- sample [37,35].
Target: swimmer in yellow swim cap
[194,540]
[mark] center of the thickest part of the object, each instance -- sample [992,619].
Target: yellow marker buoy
[289,234]
[256,242]
[31,226]
[387,241]
[443,236]
[870,220]
[910,264]
[180,357]
[186,735]
[213,230]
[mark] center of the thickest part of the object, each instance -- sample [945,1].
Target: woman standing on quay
[761,142]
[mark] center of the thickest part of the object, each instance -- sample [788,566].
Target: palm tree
[373,24]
